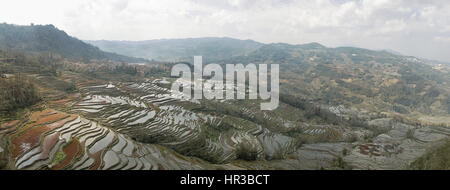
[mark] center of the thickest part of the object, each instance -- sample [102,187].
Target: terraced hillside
[51,139]
[159,117]
[142,125]
[377,81]
[340,108]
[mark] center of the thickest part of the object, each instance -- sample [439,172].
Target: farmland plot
[150,113]
[77,143]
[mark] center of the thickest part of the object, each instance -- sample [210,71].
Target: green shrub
[339,163]
[246,152]
[59,157]
[3,163]
[437,158]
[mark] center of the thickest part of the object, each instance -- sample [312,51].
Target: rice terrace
[314,90]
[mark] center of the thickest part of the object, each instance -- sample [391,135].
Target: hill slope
[356,77]
[47,38]
[372,80]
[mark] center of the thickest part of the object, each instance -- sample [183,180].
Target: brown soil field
[72,151]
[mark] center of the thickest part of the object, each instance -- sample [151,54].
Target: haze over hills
[212,49]
[356,77]
[47,38]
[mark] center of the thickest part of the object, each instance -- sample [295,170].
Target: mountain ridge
[48,38]
[212,48]
[149,48]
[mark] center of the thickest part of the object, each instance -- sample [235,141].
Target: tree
[17,92]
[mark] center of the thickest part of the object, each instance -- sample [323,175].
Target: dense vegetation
[437,158]
[3,161]
[17,61]
[246,152]
[17,92]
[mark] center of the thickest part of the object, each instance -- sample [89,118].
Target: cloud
[442,39]
[412,27]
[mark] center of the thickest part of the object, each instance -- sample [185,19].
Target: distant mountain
[393,52]
[428,61]
[212,49]
[436,62]
[374,80]
[47,38]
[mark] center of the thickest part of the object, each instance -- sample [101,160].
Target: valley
[340,108]
[112,125]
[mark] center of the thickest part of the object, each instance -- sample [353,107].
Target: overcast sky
[412,27]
